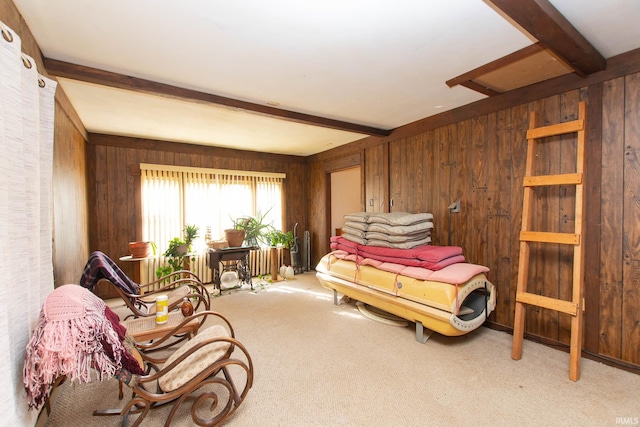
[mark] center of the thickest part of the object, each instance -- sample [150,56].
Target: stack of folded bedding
[401,230]
[426,256]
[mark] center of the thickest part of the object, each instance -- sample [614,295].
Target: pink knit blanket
[76,334]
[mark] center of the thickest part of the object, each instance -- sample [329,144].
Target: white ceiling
[378,63]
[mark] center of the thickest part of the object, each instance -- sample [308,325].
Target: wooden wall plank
[414,171]
[374,171]
[592,95]
[406,174]
[316,208]
[461,186]
[396,149]
[499,214]
[631,219]
[444,141]
[430,171]
[477,251]
[519,127]
[611,260]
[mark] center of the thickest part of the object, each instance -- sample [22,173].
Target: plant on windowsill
[255,229]
[175,253]
[142,249]
[191,233]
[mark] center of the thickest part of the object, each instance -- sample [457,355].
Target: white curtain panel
[27,103]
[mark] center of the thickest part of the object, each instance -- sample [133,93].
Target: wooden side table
[146,328]
[136,271]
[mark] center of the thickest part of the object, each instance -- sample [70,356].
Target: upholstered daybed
[429,285]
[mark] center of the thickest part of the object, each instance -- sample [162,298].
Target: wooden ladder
[574,307]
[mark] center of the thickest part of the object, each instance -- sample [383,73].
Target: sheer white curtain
[26,162]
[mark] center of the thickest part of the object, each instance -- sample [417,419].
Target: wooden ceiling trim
[184,148]
[478,87]
[554,32]
[120,81]
[536,68]
[469,76]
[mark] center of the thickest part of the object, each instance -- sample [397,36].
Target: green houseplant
[191,232]
[256,230]
[278,238]
[177,251]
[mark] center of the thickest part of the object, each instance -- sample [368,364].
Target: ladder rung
[563,306]
[557,129]
[564,179]
[548,237]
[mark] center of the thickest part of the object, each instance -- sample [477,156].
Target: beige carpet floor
[318,364]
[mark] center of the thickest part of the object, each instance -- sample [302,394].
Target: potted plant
[142,249]
[278,238]
[191,233]
[175,253]
[234,236]
[255,230]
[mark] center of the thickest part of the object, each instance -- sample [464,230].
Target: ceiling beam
[467,78]
[553,31]
[105,78]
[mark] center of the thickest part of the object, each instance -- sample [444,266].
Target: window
[173,197]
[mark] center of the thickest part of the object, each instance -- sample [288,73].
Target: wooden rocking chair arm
[203,314]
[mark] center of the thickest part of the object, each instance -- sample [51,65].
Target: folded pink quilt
[426,256]
[455,273]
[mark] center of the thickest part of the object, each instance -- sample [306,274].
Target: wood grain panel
[592,96]
[461,185]
[444,145]
[519,127]
[316,208]
[611,260]
[70,217]
[430,171]
[499,214]
[396,149]
[414,172]
[376,178]
[406,174]
[477,252]
[631,219]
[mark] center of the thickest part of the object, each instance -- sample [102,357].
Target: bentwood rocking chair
[140,298]
[212,373]
[79,337]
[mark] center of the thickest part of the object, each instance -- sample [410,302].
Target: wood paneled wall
[480,160]
[114,199]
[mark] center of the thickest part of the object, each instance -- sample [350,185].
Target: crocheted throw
[99,266]
[75,335]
